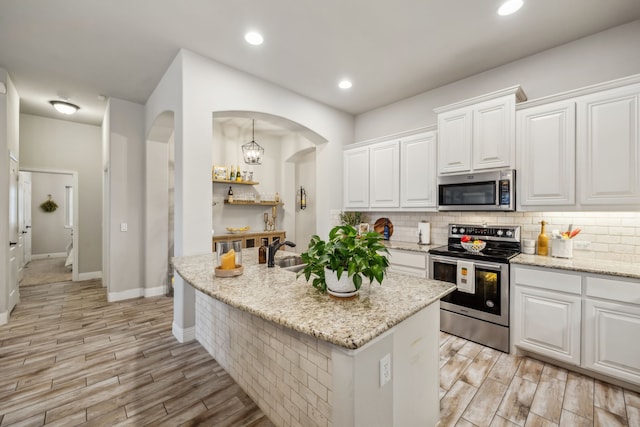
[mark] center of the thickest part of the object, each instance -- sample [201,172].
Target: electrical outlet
[385,369]
[123,226]
[581,244]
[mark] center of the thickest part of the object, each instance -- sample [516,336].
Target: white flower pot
[342,288]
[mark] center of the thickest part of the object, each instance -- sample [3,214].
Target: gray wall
[61,145]
[49,235]
[601,57]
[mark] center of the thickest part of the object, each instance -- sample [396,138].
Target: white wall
[126,178]
[52,144]
[305,220]
[49,235]
[601,57]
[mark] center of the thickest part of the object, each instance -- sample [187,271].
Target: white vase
[342,288]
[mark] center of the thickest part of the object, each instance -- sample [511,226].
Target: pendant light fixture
[252,151]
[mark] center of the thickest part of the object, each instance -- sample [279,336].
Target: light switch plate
[123,226]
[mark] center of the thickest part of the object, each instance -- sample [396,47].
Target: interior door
[27,231]
[13,259]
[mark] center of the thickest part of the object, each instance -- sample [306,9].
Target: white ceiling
[391,49]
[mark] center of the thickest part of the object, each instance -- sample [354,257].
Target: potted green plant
[353,218]
[340,264]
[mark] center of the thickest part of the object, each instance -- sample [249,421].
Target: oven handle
[444,260]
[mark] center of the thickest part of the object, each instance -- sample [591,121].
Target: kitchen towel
[466,277]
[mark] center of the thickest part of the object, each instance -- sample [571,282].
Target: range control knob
[454,230]
[499,232]
[461,231]
[509,233]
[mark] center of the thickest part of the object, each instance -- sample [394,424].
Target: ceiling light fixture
[252,151]
[64,107]
[345,84]
[509,7]
[254,38]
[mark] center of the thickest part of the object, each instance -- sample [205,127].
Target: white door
[384,175]
[494,131]
[548,323]
[547,149]
[27,232]
[609,346]
[356,178]
[13,259]
[454,141]
[418,171]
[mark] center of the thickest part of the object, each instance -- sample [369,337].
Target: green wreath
[49,205]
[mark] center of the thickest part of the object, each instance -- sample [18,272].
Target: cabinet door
[494,133]
[454,141]
[547,323]
[384,175]
[611,339]
[546,159]
[418,171]
[609,148]
[356,178]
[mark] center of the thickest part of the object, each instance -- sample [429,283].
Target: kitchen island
[308,359]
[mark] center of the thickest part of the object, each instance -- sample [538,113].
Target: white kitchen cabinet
[356,178]
[418,185]
[608,147]
[494,130]
[454,146]
[478,134]
[384,175]
[612,327]
[409,262]
[546,155]
[547,312]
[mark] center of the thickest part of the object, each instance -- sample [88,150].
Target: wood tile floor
[68,358]
[480,386]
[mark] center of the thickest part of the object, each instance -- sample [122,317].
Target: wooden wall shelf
[227,181]
[246,203]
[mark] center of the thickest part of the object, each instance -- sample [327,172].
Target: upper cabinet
[581,152]
[546,155]
[479,133]
[384,175]
[418,171]
[392,174]
[356,178]
[609,147]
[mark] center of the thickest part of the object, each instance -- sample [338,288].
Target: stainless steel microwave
[483,191]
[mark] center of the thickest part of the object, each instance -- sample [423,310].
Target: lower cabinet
[547,321]
[588,320]
[408,262]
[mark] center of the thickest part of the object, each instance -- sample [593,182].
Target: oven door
[490,301]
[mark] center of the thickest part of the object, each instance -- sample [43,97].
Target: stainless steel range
[478,309]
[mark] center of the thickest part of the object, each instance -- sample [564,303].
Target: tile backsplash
[610,235]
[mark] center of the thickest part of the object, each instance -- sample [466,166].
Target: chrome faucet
[273,248]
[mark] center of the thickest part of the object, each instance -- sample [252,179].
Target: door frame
[75,271]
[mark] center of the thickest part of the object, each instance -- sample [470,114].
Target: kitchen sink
[290,263]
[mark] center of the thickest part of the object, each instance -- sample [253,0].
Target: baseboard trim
[183,335]
[90,275]
[154,292]
[4,318]
[130,294]
[47,256]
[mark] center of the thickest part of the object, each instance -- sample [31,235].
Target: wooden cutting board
[379,226]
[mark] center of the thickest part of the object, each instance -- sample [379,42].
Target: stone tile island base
[298,380]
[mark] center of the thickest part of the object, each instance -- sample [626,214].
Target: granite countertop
[614,268]
[408,246]
[278,296]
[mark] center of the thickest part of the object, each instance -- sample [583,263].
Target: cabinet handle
[12,243]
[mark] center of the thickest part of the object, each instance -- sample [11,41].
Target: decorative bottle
[543,241]
[238,174]
[230,195]
[386,229]
[262,252]
[233,174]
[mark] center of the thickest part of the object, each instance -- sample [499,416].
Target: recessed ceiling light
[253,38]
[345,84]
[509,7]
[64,107]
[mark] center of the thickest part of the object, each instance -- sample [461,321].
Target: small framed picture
[363,228]
[220,172]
